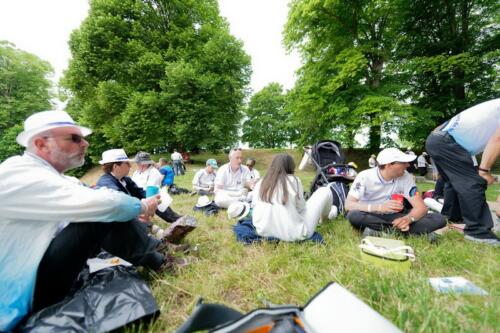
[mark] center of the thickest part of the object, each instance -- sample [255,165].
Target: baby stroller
[331,170]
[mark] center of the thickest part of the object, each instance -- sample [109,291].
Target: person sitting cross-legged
[231,181]
[375,201]
[203,180]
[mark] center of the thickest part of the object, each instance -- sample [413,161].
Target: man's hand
[402,223]
[487,176]
[149,206]
[391,206]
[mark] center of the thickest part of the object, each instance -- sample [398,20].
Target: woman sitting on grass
[280,209]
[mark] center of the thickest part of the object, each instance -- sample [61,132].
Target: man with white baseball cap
[39,261]
[375,201]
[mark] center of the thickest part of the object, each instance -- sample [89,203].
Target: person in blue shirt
[452,147]
[167,171]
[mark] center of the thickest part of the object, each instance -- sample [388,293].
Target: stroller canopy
[327,152]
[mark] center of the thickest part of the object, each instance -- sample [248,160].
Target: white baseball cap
[46,120]
[238,210]
[114,155]
[389,155]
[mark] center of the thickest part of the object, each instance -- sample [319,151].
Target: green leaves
[155,74]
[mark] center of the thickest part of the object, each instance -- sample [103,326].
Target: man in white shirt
[146,174]
[451,147]
[231,180]
[51,223]
[253,174]
[375,201]
[422,164]
[177,162]
[204,179]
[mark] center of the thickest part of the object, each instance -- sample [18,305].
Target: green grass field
[245,277]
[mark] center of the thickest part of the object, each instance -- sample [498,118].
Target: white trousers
[317,207]
[223,198]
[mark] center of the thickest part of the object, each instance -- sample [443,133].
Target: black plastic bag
[102,301]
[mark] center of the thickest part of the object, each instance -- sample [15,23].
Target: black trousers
[381,222]
[464,189]
[68,252]
[439,188]
[168,215]
[422,171]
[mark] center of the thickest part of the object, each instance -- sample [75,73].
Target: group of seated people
[52,223]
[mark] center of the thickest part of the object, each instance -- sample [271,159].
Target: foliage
[396,67]
[267,124]
[153,74]
[24,89]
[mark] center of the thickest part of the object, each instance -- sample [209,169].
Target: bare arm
[418,211]
[390,206]
[490,155]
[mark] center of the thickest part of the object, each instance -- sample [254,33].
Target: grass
[245,277]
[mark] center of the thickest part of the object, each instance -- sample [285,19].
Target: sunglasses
[75,138]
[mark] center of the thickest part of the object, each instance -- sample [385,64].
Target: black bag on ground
[102,301]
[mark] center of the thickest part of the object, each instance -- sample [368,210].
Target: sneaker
[432,237]
[492,241]
[334,212]
[370,232]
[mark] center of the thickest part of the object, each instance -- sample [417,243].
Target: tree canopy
[157,73]
[24,89]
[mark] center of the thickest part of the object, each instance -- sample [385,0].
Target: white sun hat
[203,201]
[114,155]
[238,210]
[46,120]
[389,155]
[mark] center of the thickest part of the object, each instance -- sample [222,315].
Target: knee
[439,219]
[355,217]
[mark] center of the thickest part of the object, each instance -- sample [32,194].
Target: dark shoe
[180,228]
[432,237]
[489,239]
[172,264]
[370,232]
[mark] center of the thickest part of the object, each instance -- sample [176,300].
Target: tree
[267,124]
[157,73]
[345,46]
[24,89]
[446,57]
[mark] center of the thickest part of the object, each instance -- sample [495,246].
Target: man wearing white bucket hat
[375,201]
[38,260]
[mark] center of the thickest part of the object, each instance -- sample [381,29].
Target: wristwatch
[412,219]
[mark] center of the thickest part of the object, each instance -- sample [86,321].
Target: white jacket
[35,199]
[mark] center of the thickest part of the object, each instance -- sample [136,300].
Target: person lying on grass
[279,207]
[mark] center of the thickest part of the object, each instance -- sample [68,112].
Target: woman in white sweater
[279,207]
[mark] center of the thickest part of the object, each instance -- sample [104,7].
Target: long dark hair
[277,175]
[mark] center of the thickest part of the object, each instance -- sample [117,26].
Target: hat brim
[201,206]
[403,159]
[101,162]
[24,137]
[143,162]
[245,212]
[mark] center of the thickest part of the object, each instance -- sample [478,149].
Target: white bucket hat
[114,155]
[238,210]
[389,155]
[46,120]
[203,201]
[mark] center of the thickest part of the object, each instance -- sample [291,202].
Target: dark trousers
[422,171]
[464,189]
[381,222]
[439,188]
[68,252]
[168,215]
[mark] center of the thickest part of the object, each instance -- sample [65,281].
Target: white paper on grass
[96,264]
[456,284]
[336,309]
[165,198]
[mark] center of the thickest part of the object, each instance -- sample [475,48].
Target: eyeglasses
[75,138]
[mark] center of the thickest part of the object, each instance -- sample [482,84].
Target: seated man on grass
[51,223]
[375,201]
[204,179]
[231,180]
